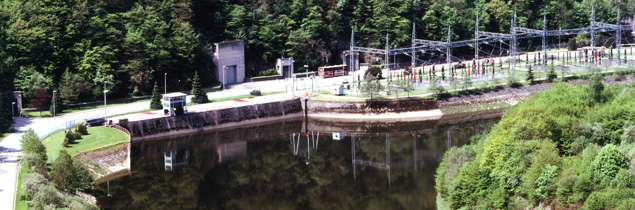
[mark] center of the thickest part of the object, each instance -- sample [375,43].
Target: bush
[82,129]
[67,173]
[608,162]
[46,197]
[255,92]
[136,92]
[69,137]
[77,203]
[198,95]
[628,136]
[530,75]
[31,144]
[32,160]
[551,75]
[453,160]
[545,182]
[513,82]
[596,87]
[623,179]
[32,184]
[374,71]
[77,135]
[572,45]
[268,72]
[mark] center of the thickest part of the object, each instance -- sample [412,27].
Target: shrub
[544,183]
[268,72]
[513,82]
[32,160]
[628,136]
[623,179]
[255,92]
[32,184]
[551,75]
[82,129]
[77,203]
[67,173]
[70,136]
[32,144]
[374,71]
[136,91]
[596,87]
[45,198]
[572,45]
[453,160]
[530,75]
[608,162]
[77,135]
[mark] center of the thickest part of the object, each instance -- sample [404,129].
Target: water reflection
[278,166]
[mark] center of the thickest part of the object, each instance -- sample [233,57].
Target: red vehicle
[332,71]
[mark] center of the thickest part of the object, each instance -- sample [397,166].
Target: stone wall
[222,118]
[371,107]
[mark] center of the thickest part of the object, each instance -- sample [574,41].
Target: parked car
[95,121]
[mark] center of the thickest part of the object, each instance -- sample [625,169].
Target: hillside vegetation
[570,146]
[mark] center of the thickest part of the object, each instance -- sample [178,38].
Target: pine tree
[155,103]
[530,75]
[199,96]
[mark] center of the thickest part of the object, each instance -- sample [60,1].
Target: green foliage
[255,92]
[609,198]
[453,160]
[596,87]
[67,173]
[551,74]
[31,143]
[81,128]
[608,162]
[545,182]
[69,138]
[199,96]
[572,45]
[513,82]
[371,86]
[269,72]
[32,184]
[374,71]
[46,197]
[6,120]
[155,101]
[438,91]
[530,75]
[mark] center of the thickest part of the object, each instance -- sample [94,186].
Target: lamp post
[165,83]
[55,91]
[224,70]
[13,115]
[105,114]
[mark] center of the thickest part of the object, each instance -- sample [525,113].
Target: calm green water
[378,166]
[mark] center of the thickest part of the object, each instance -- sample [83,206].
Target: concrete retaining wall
[223,118]
[371,107]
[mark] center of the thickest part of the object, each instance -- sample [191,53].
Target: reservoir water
[290,165]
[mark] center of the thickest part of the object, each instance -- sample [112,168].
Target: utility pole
[513,46]
[387,58]
[55,91]
[618,38]
[413,62]
[544,42]
[592,31]
[449,51]
[476,29]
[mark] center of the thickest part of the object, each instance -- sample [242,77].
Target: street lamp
[165,83]
[13,115]
[105,114]
[224,70]
[55,91]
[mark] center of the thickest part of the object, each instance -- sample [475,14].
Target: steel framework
[422,46]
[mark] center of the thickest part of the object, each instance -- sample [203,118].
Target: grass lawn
[2,135]
[97,137]
[19,202]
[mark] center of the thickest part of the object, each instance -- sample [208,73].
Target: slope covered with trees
[569,146]
[128,45]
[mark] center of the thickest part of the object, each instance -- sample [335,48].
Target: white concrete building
[284,67]
[229,58]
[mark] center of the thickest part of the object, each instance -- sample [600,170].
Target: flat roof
[175,94]
[229,41]
[333,66]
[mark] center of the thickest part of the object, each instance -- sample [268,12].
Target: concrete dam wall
[222,118]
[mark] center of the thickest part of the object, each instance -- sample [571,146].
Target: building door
[286,71]
[230,77]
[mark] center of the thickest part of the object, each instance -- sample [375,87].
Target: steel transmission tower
[618,39]
[414,52]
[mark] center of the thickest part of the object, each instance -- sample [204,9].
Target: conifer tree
[199,96]
[155,103]
[530,75]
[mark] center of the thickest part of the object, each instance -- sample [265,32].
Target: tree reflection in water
[276,166]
